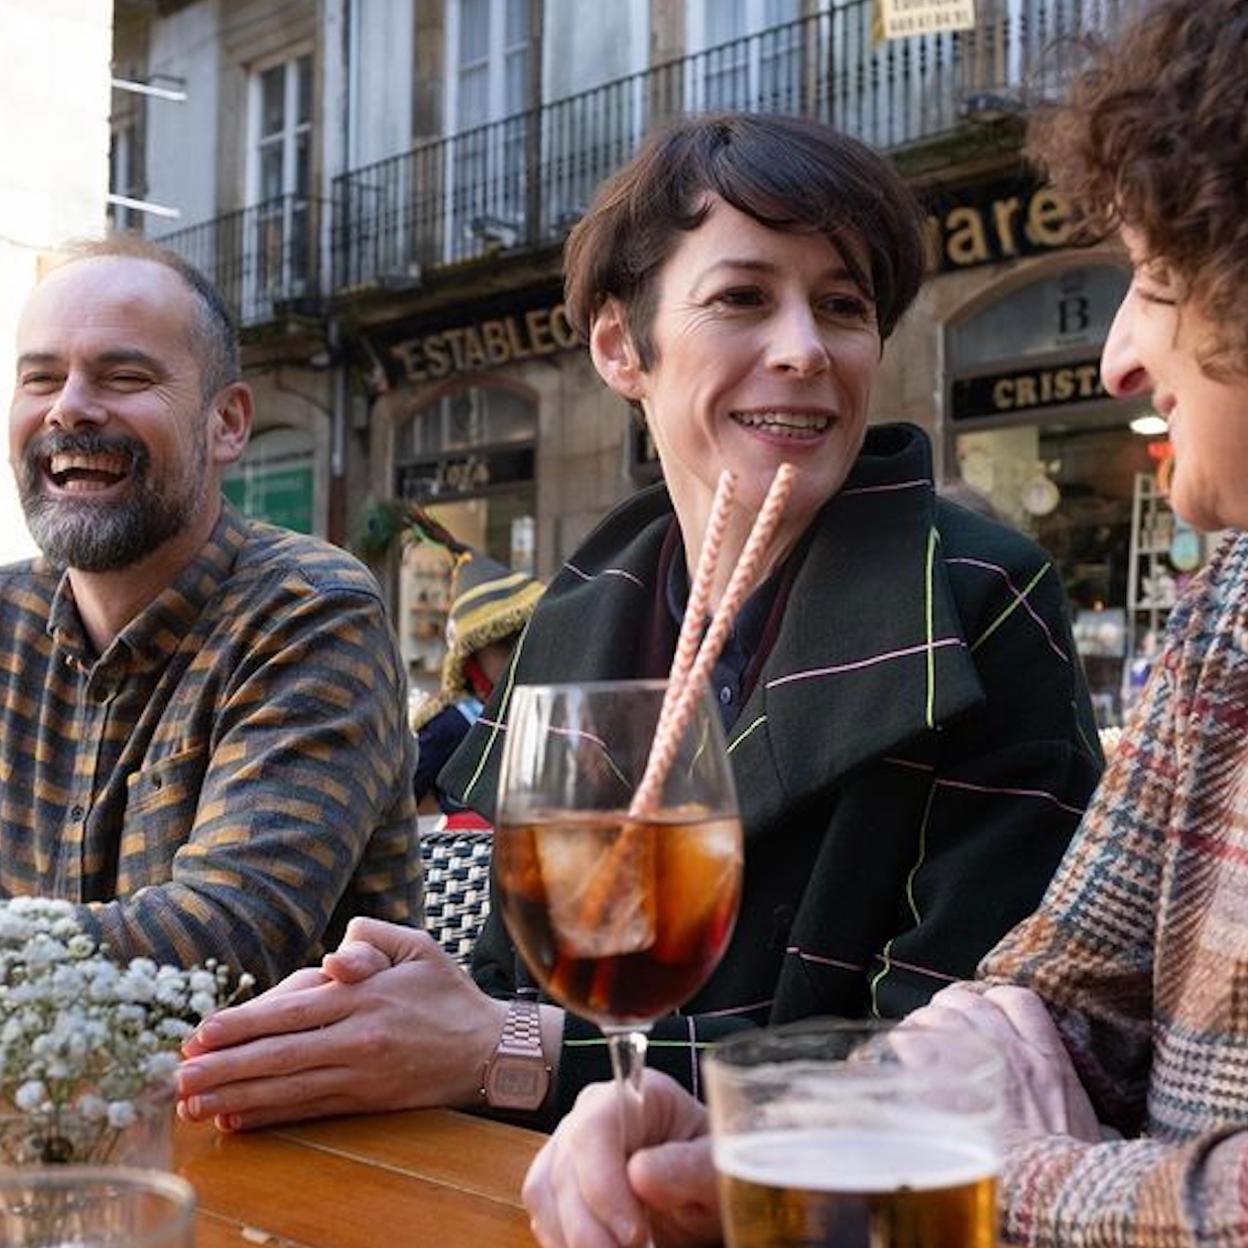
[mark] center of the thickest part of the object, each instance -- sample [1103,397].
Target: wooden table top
[425,1177]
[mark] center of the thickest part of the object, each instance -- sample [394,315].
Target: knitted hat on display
[488,601]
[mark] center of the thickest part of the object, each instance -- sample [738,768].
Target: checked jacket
[912,758]
[1140,952]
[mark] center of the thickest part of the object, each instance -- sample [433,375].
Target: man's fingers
[355,961]
[398,943]
[308,977]
[252,1120]
[294,1093]
[274,1013]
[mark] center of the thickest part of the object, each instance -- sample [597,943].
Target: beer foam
[829,1159]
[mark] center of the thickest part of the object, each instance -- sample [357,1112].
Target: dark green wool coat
[910,763]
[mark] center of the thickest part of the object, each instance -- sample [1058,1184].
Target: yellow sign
[898,19]
[485,344]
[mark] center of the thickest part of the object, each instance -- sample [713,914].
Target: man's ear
[230,422]
[614,354]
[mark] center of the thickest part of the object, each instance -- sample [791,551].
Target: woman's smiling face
[1156,346]
[765,348]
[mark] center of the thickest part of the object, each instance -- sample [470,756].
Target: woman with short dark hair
[905,712]
[907,719]
[1121,1005]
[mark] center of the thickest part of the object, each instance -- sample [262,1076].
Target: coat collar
[870,652]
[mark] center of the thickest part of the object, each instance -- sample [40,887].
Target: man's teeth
[109,462]
[797,422]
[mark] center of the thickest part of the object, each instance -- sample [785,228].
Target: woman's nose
[797,346]
[1121,369]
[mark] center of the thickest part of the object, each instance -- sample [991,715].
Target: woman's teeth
[793,424]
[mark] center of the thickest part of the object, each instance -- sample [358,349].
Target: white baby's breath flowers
[83,1040]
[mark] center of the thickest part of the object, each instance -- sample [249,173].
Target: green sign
[279,495]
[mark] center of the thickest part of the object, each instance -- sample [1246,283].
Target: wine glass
[620,916]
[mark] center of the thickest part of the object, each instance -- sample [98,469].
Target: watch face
[516,1083]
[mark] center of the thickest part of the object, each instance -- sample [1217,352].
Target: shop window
[468,460]
[1039,441]
[276,479]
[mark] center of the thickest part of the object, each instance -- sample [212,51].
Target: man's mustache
[86,442]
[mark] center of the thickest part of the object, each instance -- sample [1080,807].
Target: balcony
[519,183]
[265,260]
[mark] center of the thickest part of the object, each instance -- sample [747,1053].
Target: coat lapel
[869,655]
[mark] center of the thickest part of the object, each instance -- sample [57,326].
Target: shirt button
[78,814]
[725,694]
[101,694]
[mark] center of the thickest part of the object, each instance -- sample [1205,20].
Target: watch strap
[517,1078]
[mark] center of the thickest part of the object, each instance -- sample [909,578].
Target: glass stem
[628,1061]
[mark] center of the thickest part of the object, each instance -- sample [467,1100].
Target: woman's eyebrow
[838,272]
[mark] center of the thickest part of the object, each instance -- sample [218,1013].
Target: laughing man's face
[108,425]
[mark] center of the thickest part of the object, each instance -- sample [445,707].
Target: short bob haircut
[788,173]
[1154,136]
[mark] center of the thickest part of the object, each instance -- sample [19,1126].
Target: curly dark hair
[1154,136]
[789,173]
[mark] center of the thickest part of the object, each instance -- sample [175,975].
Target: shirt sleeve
[1089,953]
[306,791]
[1088,950]
[1143,1193]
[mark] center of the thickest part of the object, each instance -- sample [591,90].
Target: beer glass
[95,1207]
[856,1135]
[621,918]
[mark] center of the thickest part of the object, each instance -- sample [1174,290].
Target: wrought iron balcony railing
[521,182]
[262,259]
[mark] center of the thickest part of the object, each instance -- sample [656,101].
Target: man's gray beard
[93,536]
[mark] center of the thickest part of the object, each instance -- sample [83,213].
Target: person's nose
[76,404]
[1121,370]
[797,346]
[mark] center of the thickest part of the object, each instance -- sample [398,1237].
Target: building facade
[382,187]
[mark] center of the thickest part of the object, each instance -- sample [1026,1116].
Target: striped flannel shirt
[231,778]
[1140,952]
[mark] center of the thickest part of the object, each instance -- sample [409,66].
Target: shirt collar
[747,628]
[157,631]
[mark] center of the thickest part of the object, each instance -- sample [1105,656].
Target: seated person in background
[201,717]
[490,605]
[1120,1004]
[908,722]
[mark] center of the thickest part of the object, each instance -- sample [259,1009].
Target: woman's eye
[1153,296]
[848,307]
[741,297]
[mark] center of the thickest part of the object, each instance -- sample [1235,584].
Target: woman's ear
[614,355]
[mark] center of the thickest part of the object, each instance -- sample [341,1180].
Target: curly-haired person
[1122,1004]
